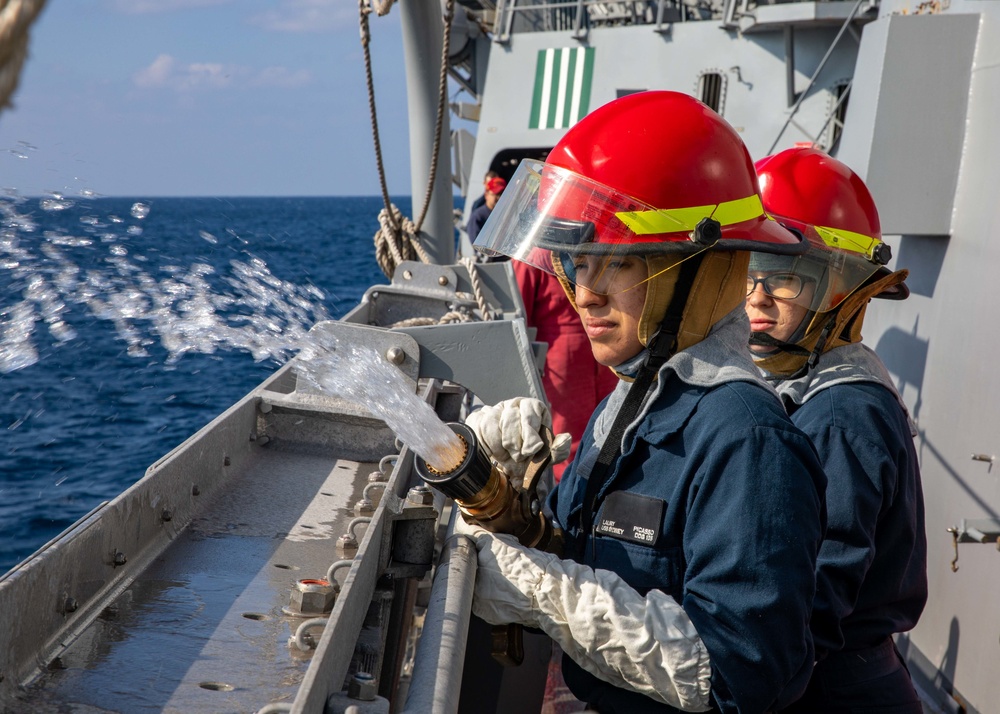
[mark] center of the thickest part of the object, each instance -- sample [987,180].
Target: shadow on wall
[923,256]
[905,355]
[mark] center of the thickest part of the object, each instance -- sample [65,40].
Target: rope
[16,17]
[477,288]
[485,309]
[366,38]
[398,237]
[446,319]
[396,241]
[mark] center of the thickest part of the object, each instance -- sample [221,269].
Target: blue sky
[204,97]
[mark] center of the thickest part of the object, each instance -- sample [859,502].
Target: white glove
[647,644]
[510,432]
[561,444]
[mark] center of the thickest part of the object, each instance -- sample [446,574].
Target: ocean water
[126,324]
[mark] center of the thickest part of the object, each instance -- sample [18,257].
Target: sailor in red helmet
[693,511]
[806,315]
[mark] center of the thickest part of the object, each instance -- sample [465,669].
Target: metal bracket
[977,530]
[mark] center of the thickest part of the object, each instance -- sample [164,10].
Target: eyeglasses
[784,286]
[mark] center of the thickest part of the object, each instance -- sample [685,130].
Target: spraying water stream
[47,281]
[362,375]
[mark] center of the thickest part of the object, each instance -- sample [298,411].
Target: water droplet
[56,203]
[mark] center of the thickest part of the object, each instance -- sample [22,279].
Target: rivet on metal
[195,491]
[442,280]
[226,461]
[70,604]
[166,515]
[118,558]
[395,355]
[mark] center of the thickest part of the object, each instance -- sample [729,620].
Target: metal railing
[580,16]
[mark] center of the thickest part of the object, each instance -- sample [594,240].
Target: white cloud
[308,16]
[156,74]
[144,7]
[166,72]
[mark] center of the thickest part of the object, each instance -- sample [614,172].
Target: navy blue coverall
[872,567]
[726,496]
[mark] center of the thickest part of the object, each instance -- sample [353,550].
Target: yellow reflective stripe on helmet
[673,220]
[848,240]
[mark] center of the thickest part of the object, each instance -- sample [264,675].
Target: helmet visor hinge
[708,232]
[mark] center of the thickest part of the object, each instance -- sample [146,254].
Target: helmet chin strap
[827,331]
[662,345]
[762,339]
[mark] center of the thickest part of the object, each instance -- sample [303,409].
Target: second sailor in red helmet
[807,314]
[693,512]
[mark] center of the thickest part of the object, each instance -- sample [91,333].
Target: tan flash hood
[719,288]
[846,329]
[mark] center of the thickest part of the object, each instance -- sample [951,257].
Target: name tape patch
[628,516]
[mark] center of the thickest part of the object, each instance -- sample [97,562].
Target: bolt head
[395,355]
[364,507]
[442,280]
[363,687]
[312,597]
[420,495]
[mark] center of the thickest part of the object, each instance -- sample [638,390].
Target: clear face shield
[823,277]
[587,233]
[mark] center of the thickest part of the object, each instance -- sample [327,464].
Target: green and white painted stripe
[562,87]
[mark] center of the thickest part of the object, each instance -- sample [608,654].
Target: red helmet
[652,173]
[814,193]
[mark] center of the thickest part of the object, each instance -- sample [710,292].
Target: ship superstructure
[286,557]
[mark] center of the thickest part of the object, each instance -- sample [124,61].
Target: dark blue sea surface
[86,419]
